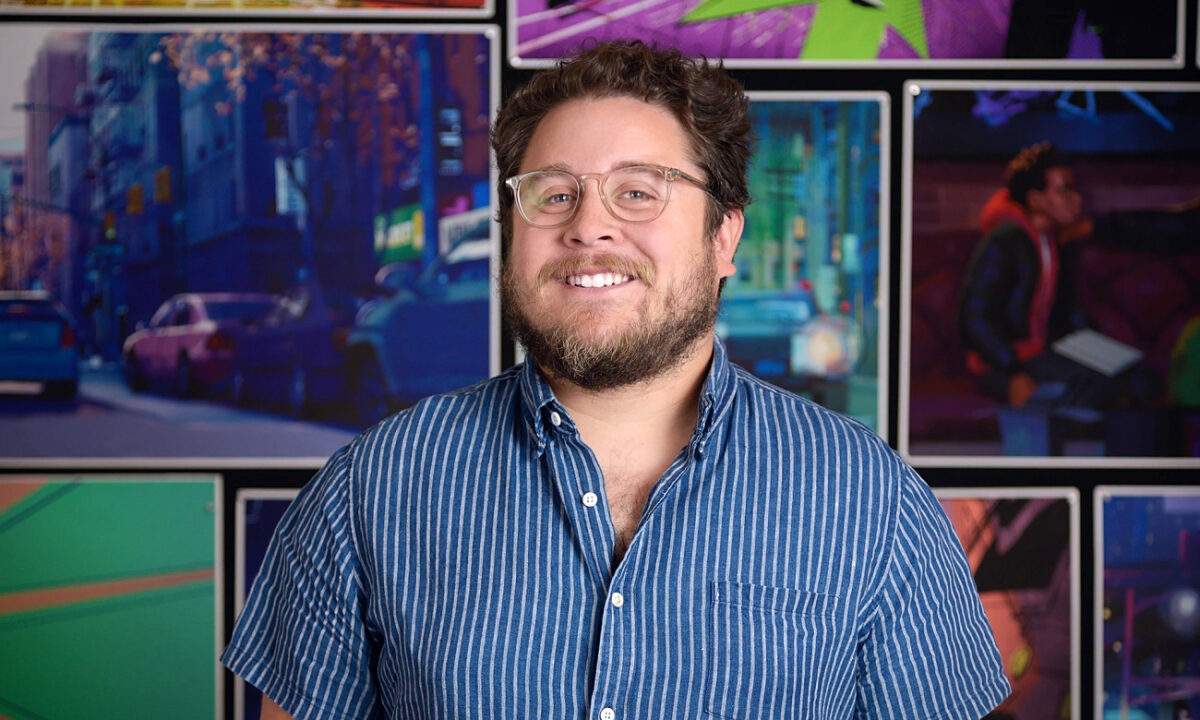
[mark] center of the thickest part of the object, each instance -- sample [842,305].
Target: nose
[592,222]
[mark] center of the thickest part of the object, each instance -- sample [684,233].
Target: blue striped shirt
[449,563]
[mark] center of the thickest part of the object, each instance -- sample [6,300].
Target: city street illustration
[238,244]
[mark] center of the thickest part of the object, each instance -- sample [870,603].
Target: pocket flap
[774,599]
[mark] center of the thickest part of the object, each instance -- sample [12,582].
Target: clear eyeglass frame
[669,175]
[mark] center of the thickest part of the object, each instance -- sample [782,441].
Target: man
[1013,299]
[1018,294]
[626,525]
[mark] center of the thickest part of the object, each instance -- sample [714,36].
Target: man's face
[579,323]
[1059,202]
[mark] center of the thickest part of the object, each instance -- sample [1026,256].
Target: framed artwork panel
[1147,601]
[1022,545]
[239,247]
[275,9]
[806,309]
[257,512]
[1098,306]
[111,596]
[898,33]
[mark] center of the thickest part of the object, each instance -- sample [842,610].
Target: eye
[635,193]
[550,193]
[558,198]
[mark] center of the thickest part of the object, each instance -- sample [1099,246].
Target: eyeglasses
[637,193]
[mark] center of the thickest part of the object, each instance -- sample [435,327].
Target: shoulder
[440,420]
[1006,240]
[856,488]
[802,427]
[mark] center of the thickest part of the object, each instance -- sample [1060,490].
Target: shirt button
[590,499]
[618,599]
[555,419]
[607,714]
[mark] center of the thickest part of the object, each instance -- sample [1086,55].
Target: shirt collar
[540,407]
[537,403]
[715,397]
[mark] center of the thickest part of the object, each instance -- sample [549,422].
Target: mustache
[577,264]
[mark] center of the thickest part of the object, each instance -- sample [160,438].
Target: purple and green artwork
[756,32]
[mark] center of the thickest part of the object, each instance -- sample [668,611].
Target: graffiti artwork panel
[110,596]
[239,244]
[1051,300]
[1023,549]
[803,310]
[1147,603]
[799,33]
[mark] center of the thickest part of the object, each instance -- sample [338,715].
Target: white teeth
[597,280]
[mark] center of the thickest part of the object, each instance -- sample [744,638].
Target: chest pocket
[777,653]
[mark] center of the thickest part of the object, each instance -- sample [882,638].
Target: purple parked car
[189,343]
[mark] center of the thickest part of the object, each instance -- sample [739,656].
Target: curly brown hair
[709,104]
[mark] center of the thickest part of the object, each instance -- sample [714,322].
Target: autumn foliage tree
[341,110]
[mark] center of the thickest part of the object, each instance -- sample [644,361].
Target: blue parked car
[428,334]
[38,343]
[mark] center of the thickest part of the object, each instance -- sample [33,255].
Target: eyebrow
[623,164]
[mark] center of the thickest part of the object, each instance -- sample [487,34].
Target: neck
[1042,224]
[668,403]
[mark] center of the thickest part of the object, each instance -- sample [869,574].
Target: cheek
[523,254]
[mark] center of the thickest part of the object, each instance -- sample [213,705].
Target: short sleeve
[301,638]
[926,649]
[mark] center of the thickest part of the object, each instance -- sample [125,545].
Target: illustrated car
[294,356]
[426,335]
[38,343]
[784,338]
[188,345]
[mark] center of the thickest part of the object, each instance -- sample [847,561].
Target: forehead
[1059,175]
[597,134]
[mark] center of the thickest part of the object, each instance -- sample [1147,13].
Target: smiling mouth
[597,280]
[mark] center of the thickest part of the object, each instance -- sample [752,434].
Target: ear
[725,243]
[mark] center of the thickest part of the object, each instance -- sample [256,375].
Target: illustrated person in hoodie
[1018,294]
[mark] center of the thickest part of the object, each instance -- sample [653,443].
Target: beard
[662,338]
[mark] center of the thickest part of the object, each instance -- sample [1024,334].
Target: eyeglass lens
[635,194]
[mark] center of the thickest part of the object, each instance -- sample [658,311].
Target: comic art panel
[239,246]
[257,513]
[1147,605]
[903,33]
[132,565]
[291,9]
[806,310]
[1022,545]
[1051,299]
